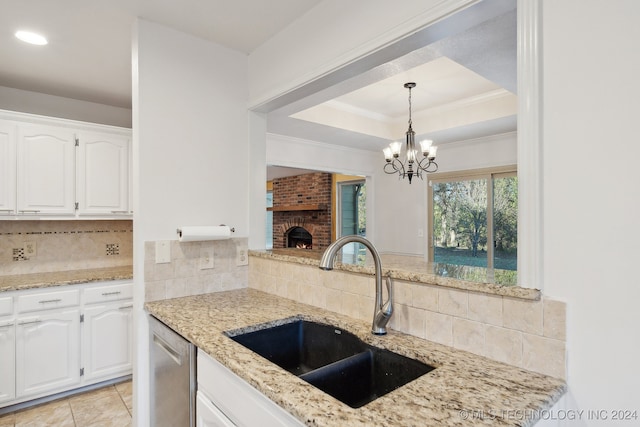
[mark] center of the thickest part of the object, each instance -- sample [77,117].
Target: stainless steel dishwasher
[173,379]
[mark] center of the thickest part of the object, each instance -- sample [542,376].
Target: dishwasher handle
[172,353]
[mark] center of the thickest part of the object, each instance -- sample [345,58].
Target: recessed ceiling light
[33,38]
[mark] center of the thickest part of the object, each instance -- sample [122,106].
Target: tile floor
[110,406]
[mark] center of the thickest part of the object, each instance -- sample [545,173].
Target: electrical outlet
[30,250]
[163,252]
[242,258]
[206,258]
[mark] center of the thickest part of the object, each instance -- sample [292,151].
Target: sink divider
[335,368]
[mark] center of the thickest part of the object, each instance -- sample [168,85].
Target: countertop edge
[64,278]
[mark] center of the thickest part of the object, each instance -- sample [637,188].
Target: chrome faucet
[382,312]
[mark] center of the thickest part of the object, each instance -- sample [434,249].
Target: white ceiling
[89,52]
[465,83]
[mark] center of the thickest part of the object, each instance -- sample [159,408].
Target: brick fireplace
[302,203]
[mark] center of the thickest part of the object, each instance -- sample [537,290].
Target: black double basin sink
[333,360]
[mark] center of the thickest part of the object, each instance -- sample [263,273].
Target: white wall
[305,154]
[591,195]
[26,101]
[190,152]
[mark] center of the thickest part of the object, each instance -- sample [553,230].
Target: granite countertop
[463,390]
[60,278]
[411,272]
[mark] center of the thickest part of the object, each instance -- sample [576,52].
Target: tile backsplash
[48,246]
[190,270]
[524,333]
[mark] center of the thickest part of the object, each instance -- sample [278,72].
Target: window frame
[465,175]
[339,185]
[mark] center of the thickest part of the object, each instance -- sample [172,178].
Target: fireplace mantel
[291,208]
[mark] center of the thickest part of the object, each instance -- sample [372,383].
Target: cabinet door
[47,352]
[103,174]
[107,340]
[46,170]
[7,361]
[7,168]
[207,415]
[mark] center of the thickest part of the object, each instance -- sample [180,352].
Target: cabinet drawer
[6,306]
[48,300]
[108,293]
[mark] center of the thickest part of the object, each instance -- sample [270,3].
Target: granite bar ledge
[312,258]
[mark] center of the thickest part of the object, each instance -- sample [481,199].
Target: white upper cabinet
[46,170]
[7,168]
[103,174]
[53,167]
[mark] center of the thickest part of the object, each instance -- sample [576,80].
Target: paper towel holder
[179,231]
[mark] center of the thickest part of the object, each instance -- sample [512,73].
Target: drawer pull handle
[47,301]
[124,307]
[106,294]
[6,325]
[29,211]
[6,210]
[119,212]
[30,322]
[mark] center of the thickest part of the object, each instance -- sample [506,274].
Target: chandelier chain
[410,122]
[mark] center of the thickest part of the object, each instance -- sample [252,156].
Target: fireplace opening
[298,237]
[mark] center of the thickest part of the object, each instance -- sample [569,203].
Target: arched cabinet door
[107,340]
[46,170]
[47,352]
[7,360]
[8,132]
[103,174]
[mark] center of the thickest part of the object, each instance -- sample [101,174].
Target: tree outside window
[474,220]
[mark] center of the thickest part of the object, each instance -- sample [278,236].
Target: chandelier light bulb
[388,155]
[425,145]
[396,147]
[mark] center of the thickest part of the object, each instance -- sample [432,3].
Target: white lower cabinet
[7,360]
[62,338]
[236,400]
[207,415]
[107,341]
[47,352]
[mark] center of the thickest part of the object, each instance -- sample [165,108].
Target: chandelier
[410,166]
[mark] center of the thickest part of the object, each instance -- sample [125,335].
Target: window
[474,218]
[269,225]
[352,197]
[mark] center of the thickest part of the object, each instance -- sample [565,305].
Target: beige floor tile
[8,420]
[100,408]
[54,414]
[125,390]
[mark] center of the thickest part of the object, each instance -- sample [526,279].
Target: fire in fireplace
[298,237]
